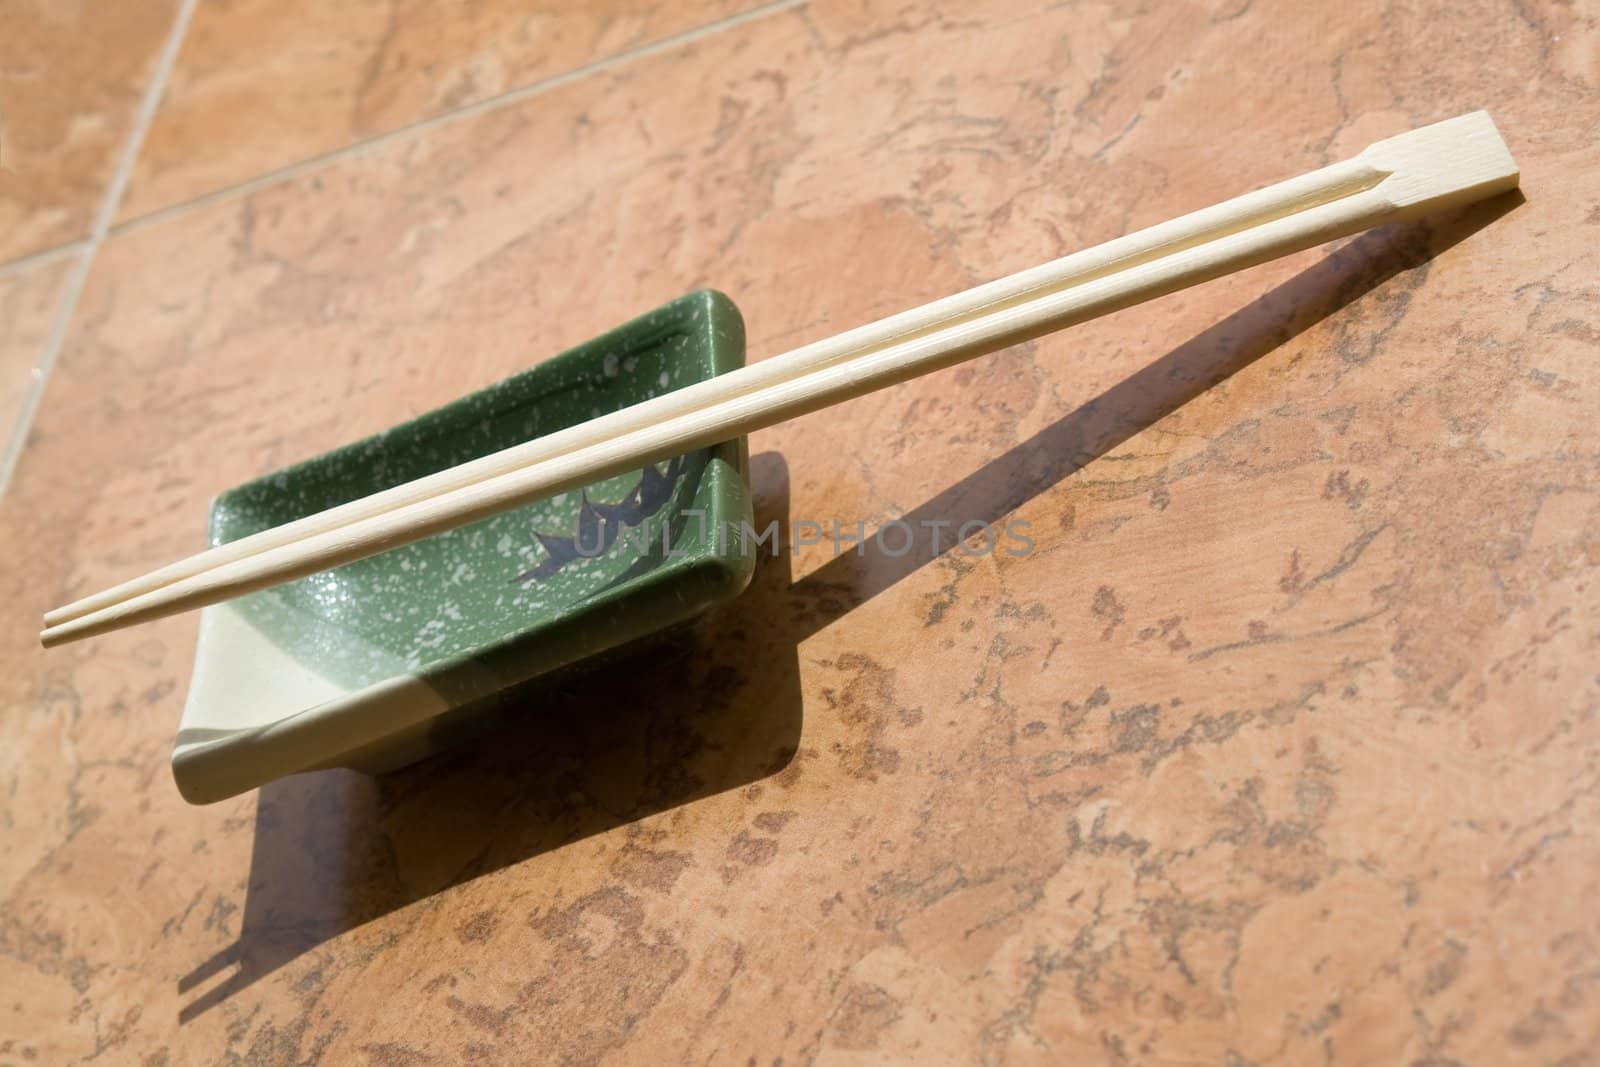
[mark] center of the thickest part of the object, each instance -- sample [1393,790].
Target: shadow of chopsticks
[989,494]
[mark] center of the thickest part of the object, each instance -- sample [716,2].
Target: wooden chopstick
[1122,253]
[1433,168]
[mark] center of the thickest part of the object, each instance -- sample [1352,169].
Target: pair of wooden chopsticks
[1433,168]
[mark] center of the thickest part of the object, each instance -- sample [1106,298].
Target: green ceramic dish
[371,664]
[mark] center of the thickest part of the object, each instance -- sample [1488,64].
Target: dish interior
[425,607]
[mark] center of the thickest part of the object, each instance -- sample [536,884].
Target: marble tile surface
[72,75]
[265,84]
[1280,747]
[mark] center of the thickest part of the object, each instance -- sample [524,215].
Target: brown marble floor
[1281,747]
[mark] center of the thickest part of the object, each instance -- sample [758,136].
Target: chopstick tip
[51,636]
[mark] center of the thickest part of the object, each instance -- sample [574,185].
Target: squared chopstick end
[1458,161]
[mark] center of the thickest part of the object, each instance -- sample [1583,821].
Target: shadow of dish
[713,706]
[717,706]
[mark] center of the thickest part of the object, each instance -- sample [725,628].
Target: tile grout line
[86,248]
[13,267]
[481,107]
